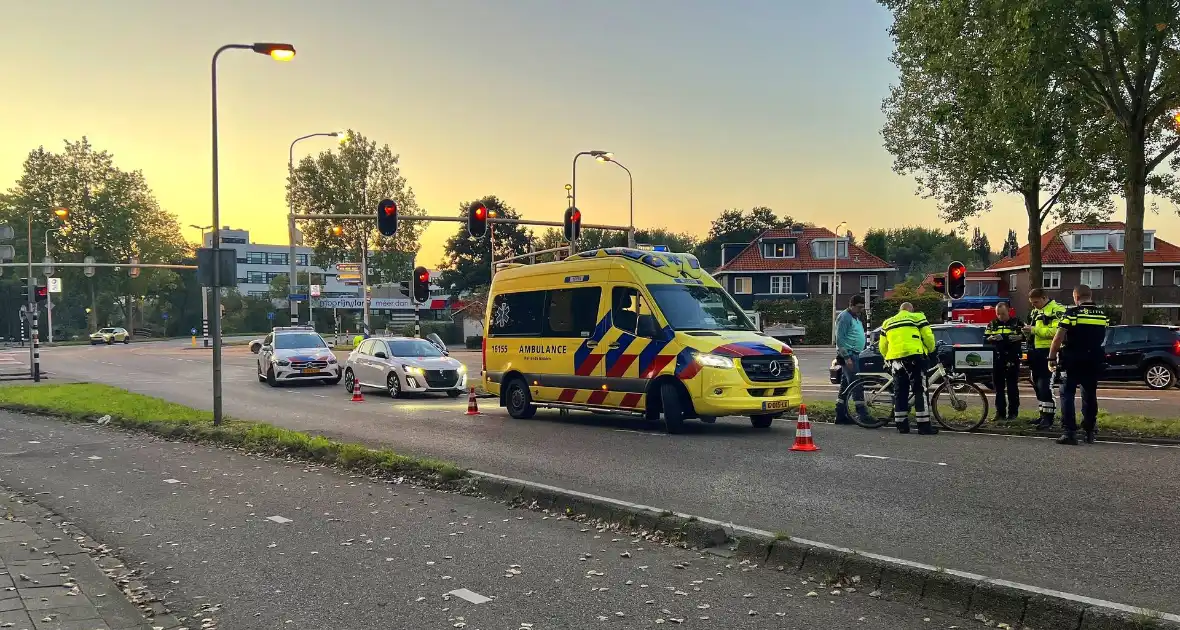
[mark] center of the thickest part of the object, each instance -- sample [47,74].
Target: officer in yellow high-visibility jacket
[906,340]
[1042,327]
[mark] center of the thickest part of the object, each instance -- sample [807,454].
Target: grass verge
[87,402]
[1109,424]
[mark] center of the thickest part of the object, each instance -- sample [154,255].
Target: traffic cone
[803,441]
[357,396]
[472,406]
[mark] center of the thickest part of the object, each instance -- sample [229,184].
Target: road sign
[193,330]
[315,290]
[349,273]
[89,271]
[54,285]
[7,252]
[164,315]
[7,233]
[47,265]
[297,297]
[270,315]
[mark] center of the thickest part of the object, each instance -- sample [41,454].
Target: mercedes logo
[775,368]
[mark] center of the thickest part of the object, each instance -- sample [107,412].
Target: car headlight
[283,362]
[462,368]
[409,369]
[714,360]
[331,360]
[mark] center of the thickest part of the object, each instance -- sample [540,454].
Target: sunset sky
[711,104]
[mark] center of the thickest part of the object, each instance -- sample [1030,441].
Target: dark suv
[1143,352]
[961,346]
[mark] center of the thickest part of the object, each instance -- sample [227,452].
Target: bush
[475,342]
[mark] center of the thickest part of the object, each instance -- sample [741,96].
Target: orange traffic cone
[803,441]
[472,407]
[357,396]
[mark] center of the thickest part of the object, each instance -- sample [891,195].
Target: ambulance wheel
[673,405]
[518,401]
[762,421]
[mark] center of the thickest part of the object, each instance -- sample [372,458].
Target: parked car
[296,353]
[961,346]
[110,335]
[401,365]
[1143,352]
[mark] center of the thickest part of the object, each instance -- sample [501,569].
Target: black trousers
[1038,363]
[910,378]
[1083,376]
[1005,380]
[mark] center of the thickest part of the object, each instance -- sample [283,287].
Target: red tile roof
[1054,251]
[750,259]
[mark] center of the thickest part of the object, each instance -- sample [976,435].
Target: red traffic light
[387,217]
[480,212]
[956,284]
[390,210]
[477,220]
[421,284]
[956,272]
[576,215]
[423,277]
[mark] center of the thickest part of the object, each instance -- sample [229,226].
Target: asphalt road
[1094,520]
[351,553]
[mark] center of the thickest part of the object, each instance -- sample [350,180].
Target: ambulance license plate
[776,405]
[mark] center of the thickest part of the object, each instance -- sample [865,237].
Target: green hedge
[815,314]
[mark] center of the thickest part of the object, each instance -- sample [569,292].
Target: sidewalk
[51,583]
[266,543]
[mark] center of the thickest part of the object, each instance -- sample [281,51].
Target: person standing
[906,341]
[850,342]
[1078,343]
[1004,334]
[1042,327]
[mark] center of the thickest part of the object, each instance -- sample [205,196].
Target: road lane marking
[731,527]
[278,519]
[471,596]
[899,459]
[639,432]
[171,481]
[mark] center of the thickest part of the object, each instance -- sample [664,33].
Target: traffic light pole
[34,355]
[417,320]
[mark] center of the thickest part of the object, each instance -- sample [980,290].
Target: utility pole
[34,354]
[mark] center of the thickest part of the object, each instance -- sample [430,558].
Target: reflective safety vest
[905,335]
[1010,335]
[1044,324]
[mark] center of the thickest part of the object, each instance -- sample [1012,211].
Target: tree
[1011,245]
[981,248]
[736,226]
[917,251]
[1123,56]
[980,109]
[876,243]
[352,180]
[468,262]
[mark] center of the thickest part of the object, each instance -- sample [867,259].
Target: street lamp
[834,283]
[631,185]
[574,179]
[61,214]
[278,52]
[204,295]
[293,269]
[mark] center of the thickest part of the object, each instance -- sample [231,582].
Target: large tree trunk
[1135,190]
[1032,206]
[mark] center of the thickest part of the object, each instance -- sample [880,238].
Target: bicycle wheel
[878,398]
[959,407]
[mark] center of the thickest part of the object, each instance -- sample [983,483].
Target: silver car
[296,353]
[402,365]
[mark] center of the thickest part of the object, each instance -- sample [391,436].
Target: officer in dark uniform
[1004,333]
[1078,343]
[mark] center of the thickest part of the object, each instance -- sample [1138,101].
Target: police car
[296,353]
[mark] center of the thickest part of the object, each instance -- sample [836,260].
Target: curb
[951,591]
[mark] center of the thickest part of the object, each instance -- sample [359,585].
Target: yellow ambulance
[630,331]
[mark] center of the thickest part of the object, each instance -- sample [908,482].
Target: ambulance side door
[574,329]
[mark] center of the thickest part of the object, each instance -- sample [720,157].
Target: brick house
[796,263]
[1076,253]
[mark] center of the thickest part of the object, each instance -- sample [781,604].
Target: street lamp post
[574,179]
[293,269]
[278,52]
[204,296]
[834,283]
[631,189]
[48,295]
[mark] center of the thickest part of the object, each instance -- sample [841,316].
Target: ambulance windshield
[695,307]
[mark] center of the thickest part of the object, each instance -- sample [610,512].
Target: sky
[711,104]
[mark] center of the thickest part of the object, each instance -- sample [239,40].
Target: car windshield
[107,330]
[413,348]
[291,341]
[960,335]
[695,307]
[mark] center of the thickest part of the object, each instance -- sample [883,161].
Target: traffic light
[572,224]
[939,284]
[40,294]
[477,220]
[24,289]
[133,271]
[387,217]
[421,284]
[956,280]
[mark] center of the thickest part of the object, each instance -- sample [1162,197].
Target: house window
[823,249]
[271,275]
[1149,242]
[255,277]
[825,284]
[1089,242]
[301,260]
[1011,283]
[274,258]
[1091,278]
[741,286]
[780,284]
[256,258]
[1148,277]
[868,282]
[1176,278]
[1051,280]
[780,249]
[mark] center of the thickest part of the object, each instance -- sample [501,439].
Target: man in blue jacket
[850,342]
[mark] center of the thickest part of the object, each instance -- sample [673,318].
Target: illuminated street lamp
[607,157]
[294,271]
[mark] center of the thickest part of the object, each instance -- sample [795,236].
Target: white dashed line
[278,519]
[471,596]
[171,481]
[898,459]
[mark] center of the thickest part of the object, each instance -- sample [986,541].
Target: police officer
[905,343]
[1004,334]
[1078,343]
[1041,328]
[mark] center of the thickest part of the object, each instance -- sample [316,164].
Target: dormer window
[823,248]
[1089,242]
[778,249]
[1118,241]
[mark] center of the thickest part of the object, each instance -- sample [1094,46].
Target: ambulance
[622,330]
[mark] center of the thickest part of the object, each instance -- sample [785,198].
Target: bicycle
[878,392]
